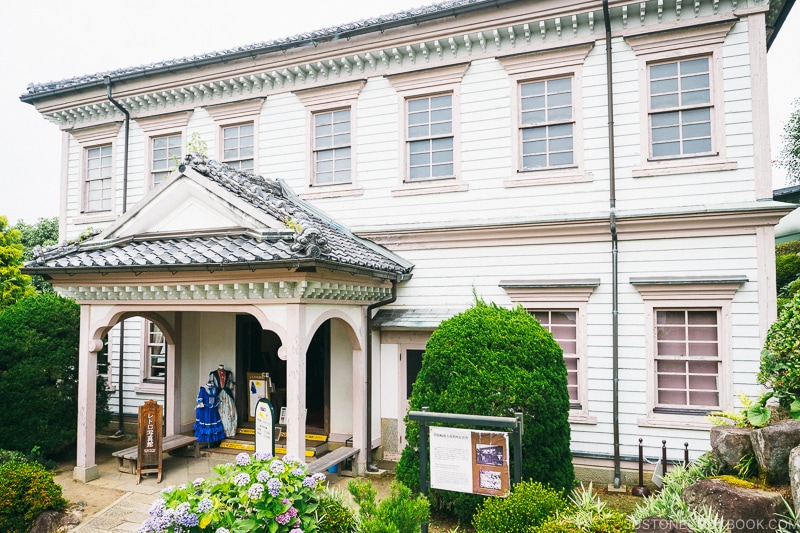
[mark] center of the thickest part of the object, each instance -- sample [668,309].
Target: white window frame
[565,62]
[242,113]
[426,84]
[158,127]
[326,100]
[579,356]
[98,153]
[89,139]
[682,43]
[562,295]
[689,293]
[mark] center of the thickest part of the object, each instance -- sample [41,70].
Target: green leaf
[758,415]
[794,409]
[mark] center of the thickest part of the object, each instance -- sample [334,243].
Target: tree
[39,338]
[13,283]
[789,157]
[494,361]
[43,233]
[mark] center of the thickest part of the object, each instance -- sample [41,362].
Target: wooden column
[85,467]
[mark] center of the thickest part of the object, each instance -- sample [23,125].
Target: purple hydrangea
[198,481]
[243,459]
[241,479]
[289,458]
[298,472]
[277,467]
[255,491]
[204,505]
[263,456]
[274,486]
[319,476]
[262,476]
[283,518]
[309,482]
[158,507]
[296,530]
[222,530]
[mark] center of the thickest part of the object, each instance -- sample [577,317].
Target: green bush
[528,505]
[334,516]
[787,269]
[494,361]
[787,248]
[780,359]
[39,374]
[26,490]
[401,512]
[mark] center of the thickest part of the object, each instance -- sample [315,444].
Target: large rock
[794,477]
[771,446]
[731,443]
[661,525]
[744,510]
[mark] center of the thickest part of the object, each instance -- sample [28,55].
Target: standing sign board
[257,388]
[470,461]
[150,440]
[265,424]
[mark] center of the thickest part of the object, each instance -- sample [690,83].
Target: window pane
[697,146]
[564,158]
[663,71]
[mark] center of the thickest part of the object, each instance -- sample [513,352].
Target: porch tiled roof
[310,237]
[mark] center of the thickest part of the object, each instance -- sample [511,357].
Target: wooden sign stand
[150,440]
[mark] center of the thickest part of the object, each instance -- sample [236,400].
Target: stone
[661,525]
[794,476]
[745,510]
[771,446]
[47,522]
[731,443]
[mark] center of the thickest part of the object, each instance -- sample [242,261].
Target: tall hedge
[494,361]
[39,375]
[780,358]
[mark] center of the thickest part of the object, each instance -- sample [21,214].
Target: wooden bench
[339,455]
[129,456]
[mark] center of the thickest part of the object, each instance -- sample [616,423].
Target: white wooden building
[605,165]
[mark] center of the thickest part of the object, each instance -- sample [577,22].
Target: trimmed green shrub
[786,248]
[528,505]
[400,512]
[787,269]
[494,361]
[39,374]
[780,359]
[334,516]
[26,490]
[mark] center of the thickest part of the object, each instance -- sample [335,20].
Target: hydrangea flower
[291,459]
[277,467]
[274,486]
[319,476]
[242,459]
[262,456]
[241,479]
[222,530]
[283,518]
[262,476]
[309,482]
[298,472]
[255,491]
[198,481]
[205,505]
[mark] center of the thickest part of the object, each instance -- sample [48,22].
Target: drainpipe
[391,299]
[107,80]
[614,249]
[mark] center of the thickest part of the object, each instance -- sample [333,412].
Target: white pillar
[86,468]
[360,403]
[295,381]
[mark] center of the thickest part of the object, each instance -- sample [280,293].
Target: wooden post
[150,440]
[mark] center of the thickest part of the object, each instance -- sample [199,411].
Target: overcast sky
[56,39]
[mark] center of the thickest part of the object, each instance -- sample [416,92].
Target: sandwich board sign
[265,425]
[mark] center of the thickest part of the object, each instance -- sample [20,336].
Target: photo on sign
[489,454]
[489,479]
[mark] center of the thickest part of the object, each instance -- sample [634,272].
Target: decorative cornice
[272,290]
[678,288]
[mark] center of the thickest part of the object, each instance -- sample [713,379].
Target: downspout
[370,307]
[614,249]
[107,80]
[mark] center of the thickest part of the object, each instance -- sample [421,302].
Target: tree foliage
[13,283]
[789,156]
[39,338]
[494,361]
[44,233]
[780,359]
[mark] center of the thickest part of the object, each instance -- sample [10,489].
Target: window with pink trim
[687,359]
[563,325]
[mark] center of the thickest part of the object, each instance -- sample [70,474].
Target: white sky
[56,39]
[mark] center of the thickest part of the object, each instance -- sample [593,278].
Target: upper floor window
[547,123]
[563,325]
[166,155]
[98,178]
[332,149]
[687,358]
[680,108]
[239,146]
[430,137]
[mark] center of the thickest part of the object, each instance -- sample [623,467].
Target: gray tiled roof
[313,239]
[411,16]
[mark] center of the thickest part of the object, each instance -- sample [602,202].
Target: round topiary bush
[494,361]
[780,359]
[26,490]
[529,505]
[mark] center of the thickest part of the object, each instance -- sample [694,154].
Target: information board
[265,425]
[150,440]
[470,461]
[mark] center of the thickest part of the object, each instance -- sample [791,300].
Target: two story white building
[604,164]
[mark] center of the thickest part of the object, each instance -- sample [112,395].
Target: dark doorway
[413,366]
[318,360]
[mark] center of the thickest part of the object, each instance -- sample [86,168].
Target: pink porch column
[86,468]
[295,381]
